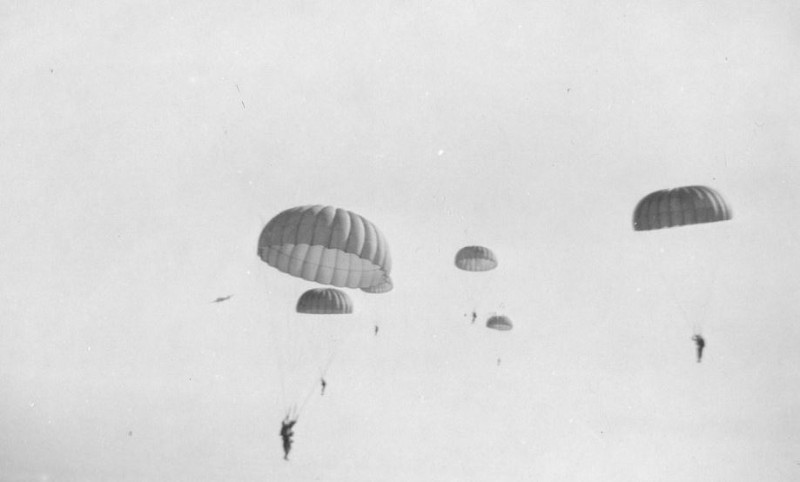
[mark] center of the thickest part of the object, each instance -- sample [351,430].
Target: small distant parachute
[476,258]
[680,206]
[499,322]
[384,287]
[325,301]
[222,298]
[327,245]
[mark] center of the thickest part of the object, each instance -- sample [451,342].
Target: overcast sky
[145,146]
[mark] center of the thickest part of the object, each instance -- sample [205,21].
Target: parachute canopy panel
[499,322]
[476,258]
[680,206]
[325,301]
[327,245]
[384,287]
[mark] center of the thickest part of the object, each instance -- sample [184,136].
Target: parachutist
[498,362]
[474,316]
[286,434]
[376,330]
[700,343]
[322,382]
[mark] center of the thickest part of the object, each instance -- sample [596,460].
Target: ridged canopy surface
[476,258]
[499,322]
[327,245]
[325,301]
[680,206]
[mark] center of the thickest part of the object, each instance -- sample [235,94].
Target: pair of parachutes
[478,259]
[330,301]
[330,246]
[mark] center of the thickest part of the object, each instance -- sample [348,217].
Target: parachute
[330,246]
[325,301]
[680,206]
[326,245]
[307,342]
[476,258]
[384,287]
[686,260]
[499,322]
[385,305]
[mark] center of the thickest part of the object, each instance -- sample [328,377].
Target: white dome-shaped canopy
[327,245]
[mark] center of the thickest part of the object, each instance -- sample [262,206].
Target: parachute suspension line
[329,361]
[313,387]
[292,413]
[323,367]
[665,283]
[278,339]
[284,363]
[323,371]
[673,297]
[703,312]
[285,351]
[284,398]
[311,390]
[697,327]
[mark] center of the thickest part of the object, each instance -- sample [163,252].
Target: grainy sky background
[144,145]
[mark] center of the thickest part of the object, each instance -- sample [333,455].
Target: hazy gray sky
[145,146]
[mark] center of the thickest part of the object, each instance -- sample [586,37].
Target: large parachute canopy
[384,287]
[499,322]
[680,206]
[476,258]
[325,301]
[327,245]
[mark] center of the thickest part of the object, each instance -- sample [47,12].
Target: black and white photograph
[399,240]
